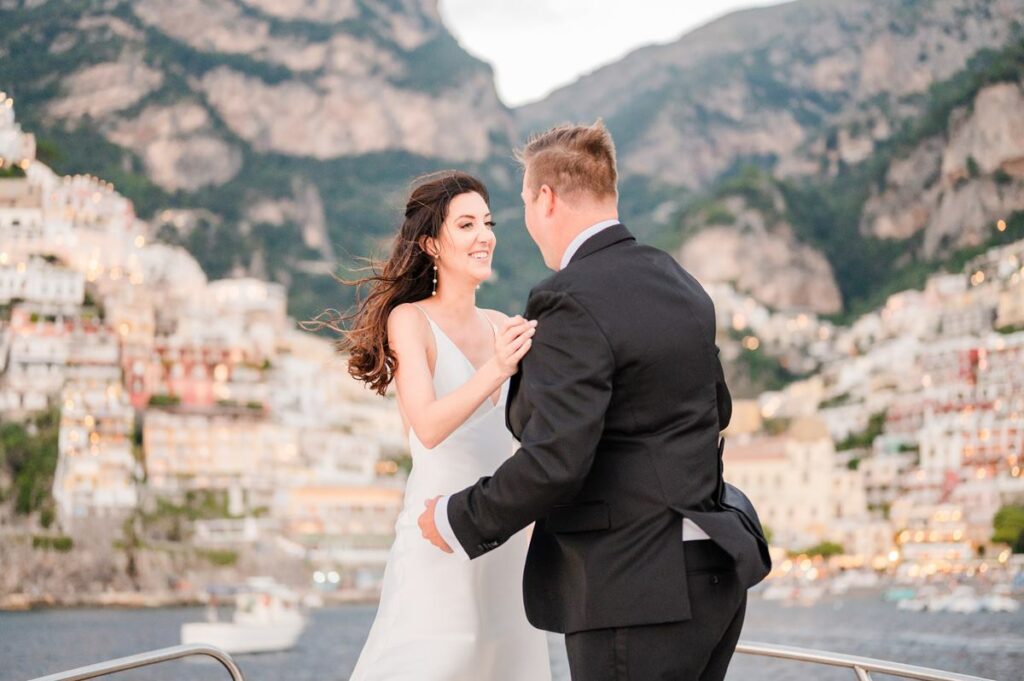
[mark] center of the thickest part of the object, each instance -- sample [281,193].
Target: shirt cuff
[444,528]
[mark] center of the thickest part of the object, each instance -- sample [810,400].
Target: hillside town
[899,445]
[908,435]
[168,384]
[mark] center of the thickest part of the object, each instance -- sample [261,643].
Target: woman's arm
[434,419]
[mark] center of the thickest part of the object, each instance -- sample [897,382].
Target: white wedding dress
[442,617]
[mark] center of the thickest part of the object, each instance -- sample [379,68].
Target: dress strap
[494,327]
[487,319]
[429,318]
[417,306]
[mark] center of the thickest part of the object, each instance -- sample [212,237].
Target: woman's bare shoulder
[495,316]
[407,320]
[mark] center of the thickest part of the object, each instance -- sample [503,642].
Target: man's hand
[429,529]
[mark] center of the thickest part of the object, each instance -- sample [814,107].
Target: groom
[618,408]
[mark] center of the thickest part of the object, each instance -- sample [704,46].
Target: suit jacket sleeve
[567,379]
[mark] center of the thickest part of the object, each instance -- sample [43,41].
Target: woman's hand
[512,342]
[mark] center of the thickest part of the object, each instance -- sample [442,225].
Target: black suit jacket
[618,408]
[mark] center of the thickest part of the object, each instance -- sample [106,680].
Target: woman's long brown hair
[406,276]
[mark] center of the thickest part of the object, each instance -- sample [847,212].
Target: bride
[442,617]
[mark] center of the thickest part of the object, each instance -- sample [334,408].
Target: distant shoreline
[117,600]
[133,600]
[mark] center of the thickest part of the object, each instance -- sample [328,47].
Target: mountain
[776,84]
[272,137]
[888,134]
[819,153]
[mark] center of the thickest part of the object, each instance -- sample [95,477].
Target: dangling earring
[434,292]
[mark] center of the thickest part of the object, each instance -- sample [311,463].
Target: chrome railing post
[152,657]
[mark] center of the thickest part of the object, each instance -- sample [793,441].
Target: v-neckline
[494,403]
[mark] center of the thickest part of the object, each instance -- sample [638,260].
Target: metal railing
[145,660]
[861,666]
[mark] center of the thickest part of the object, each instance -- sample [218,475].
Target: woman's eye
[491,223]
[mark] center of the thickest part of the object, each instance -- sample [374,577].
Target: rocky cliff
[742,234]
[189,85]
[952,187]
[892,131]
[275,137]
[281,133]
[775,83]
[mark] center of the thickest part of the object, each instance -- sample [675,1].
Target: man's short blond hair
[574,160]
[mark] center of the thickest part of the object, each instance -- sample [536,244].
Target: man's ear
[548,198]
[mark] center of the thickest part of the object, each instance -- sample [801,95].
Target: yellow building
[799,491]
[1011,306]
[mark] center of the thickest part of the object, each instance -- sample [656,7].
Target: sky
[536,46]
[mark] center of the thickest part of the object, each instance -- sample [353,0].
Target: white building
[22,227]
[335,457]
[36,364]
[174,283]
[930,531]
[48,287]
[794,481]
[967,319]
[1010,312]
[220,449]
[910,314]
[883,476]
[351,527]
[16,146]
[96,468]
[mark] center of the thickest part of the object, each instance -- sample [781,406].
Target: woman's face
[466,243]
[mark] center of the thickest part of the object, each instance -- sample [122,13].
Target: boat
[898,594]
[267,618]
[912,604]
[853,579]
[999,603]
[962,600]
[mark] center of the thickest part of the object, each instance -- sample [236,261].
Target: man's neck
[574,235]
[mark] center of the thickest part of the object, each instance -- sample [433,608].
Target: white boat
[267,618]
[962,600]
[998,603]
[853,579]
[912,604]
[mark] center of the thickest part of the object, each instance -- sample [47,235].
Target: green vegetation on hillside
[28,455]
[362,195]
[61,543]
[865,439]
[987,67]
[825,549]
[1008,526]
[826,213]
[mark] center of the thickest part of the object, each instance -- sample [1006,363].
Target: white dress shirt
[575,244]
[691,531]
